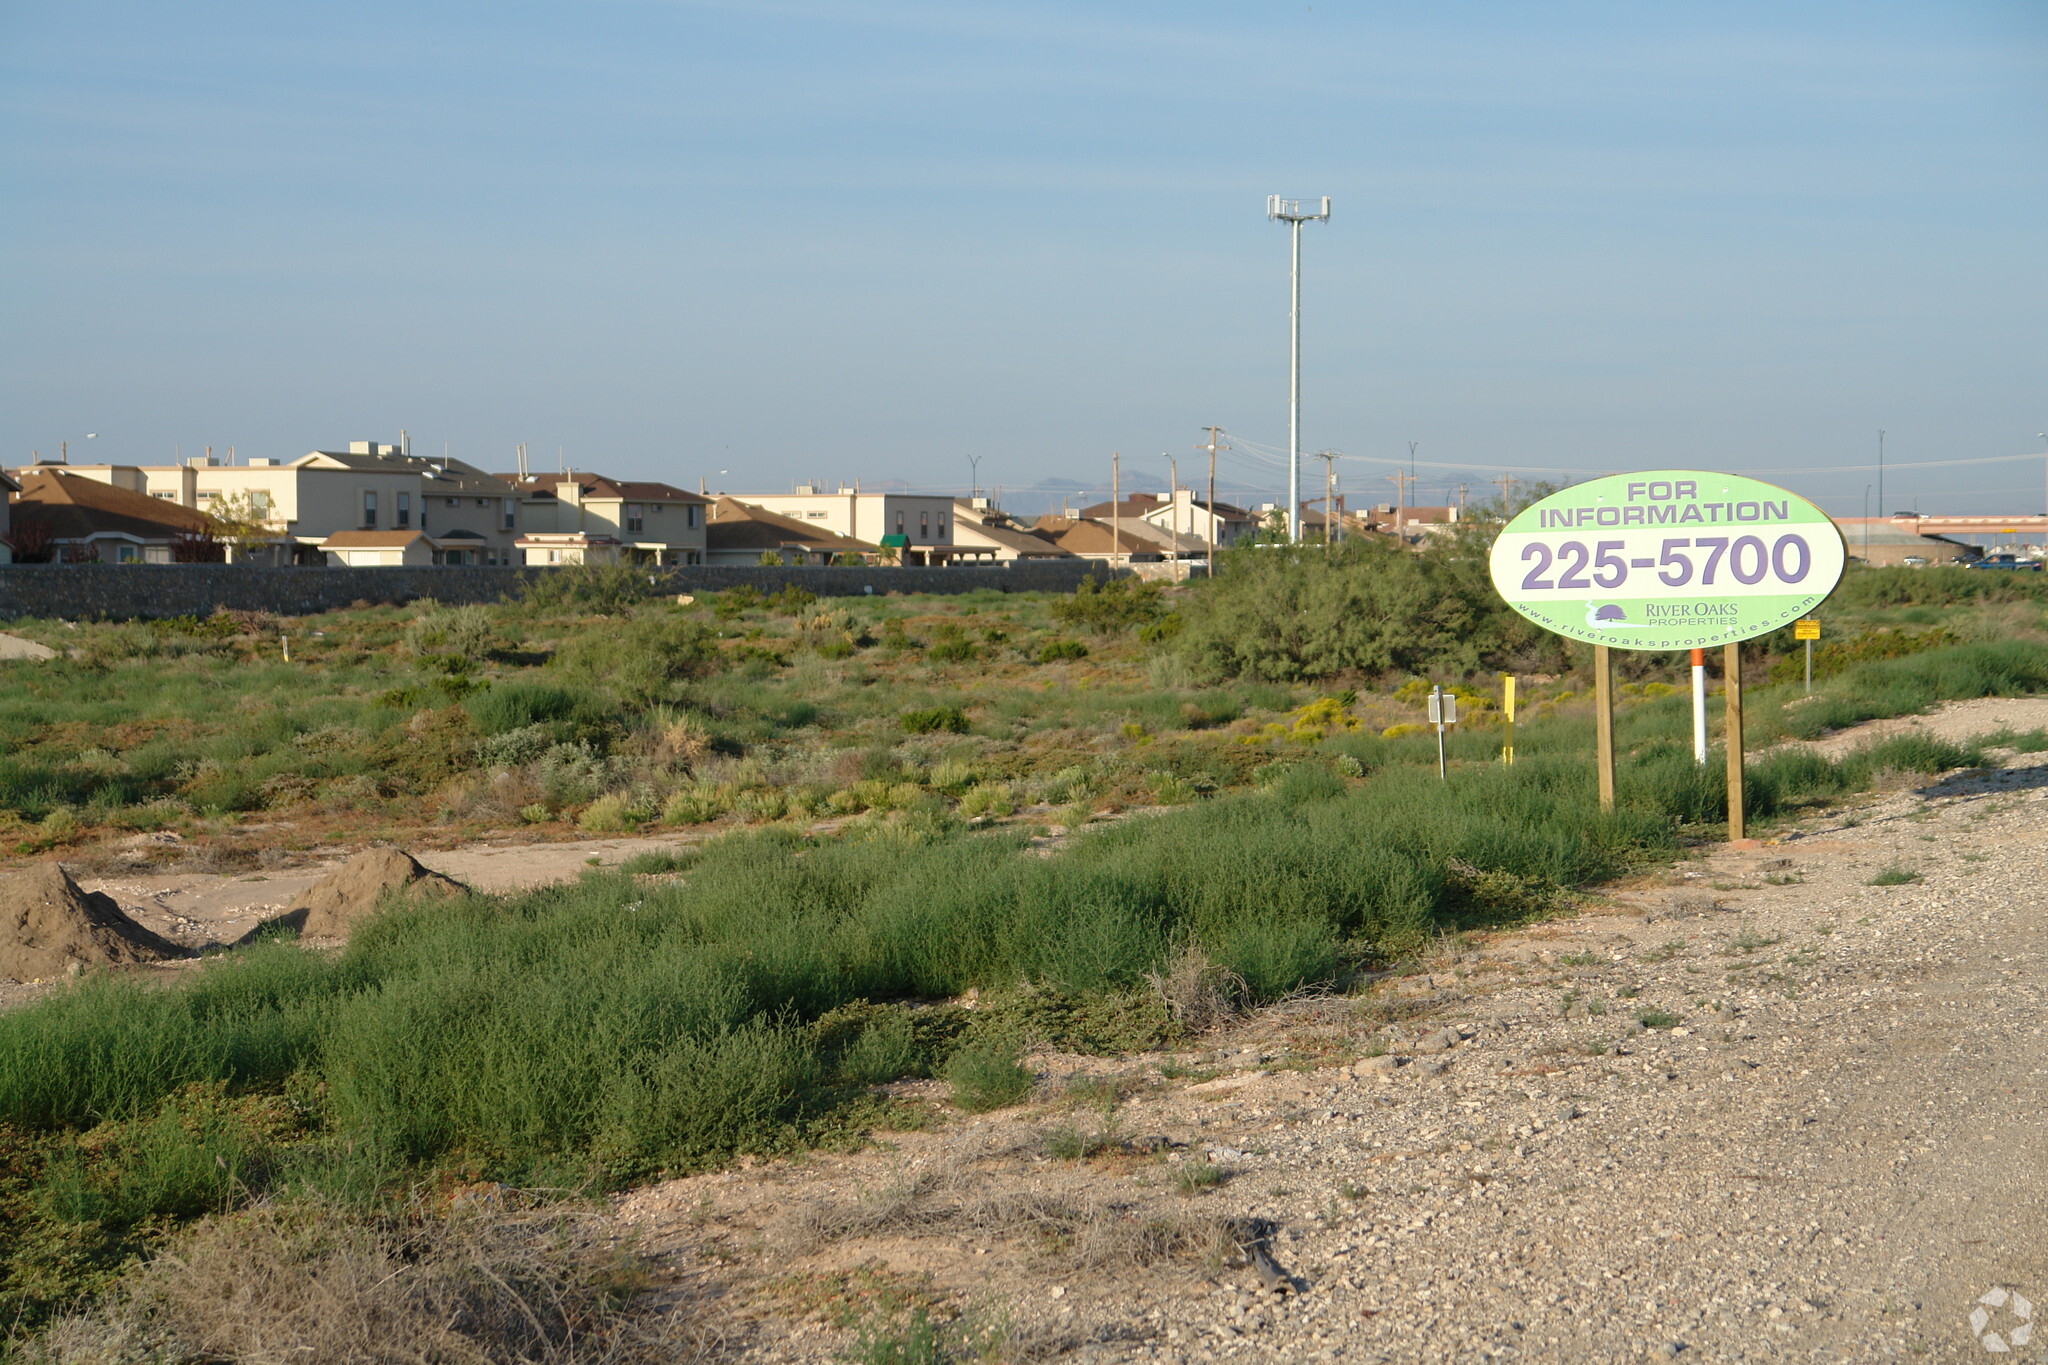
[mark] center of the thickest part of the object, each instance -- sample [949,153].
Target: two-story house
[584,518]
[917,528]
[372,489]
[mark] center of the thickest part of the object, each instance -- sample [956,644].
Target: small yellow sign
[1808,629]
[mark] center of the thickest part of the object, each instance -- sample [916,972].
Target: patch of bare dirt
[1956,722]
[49,927]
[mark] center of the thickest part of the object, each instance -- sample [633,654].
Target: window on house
[456,502]
[924,526]
[259,504]
[208,494]
[511,510]
[635,522]
[480,502]
[693,517]
[942,527]
[899,521]
[127,554]
[554,556]
[815,516]
[167,497]
[369,509]
[404,509]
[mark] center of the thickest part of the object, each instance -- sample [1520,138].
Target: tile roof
[75,507]
[1023,542]
[366,540]
[598,486]
[740,526]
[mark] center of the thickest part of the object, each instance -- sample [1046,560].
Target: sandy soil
[1954,721]
[1830,1144]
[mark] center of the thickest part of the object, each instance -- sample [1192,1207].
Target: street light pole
[1290,212]
[1880,471]
[1866,523]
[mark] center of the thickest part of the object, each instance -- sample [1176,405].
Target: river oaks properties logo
[2001,1320]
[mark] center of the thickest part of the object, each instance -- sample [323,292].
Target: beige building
[1182,513]
[982,534]
[913,525]
[380,549]
[8,488]
[742,534]
[471,517]
[584,518]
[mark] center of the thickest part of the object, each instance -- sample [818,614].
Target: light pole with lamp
[1290,212]
[1866,523]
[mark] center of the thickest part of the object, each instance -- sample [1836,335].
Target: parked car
[1915,561]
[2006,562]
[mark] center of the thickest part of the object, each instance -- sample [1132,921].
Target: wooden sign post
[1603,722]
[1731,693]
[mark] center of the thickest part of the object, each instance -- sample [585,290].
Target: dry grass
[1199,995]
[953,1200]
[298,1284]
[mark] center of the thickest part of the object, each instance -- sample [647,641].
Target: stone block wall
[154,591]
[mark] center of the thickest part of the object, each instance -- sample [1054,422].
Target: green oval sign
[1668,559]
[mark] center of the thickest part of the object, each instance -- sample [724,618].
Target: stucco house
[379,549]
[61,517]
[741,533]
[912,525]
[8,488]
[585,518]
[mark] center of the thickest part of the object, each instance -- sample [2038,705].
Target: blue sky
[839,241]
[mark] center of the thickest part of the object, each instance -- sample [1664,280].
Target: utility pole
[1329,459]
[1290,212]
[1212,448]
[1507,494]
[1461,502]
[1116,511]
[1880,471]
[974,490]
[1172,487]
[1401,481]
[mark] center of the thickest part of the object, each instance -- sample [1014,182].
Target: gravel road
[1751,1108]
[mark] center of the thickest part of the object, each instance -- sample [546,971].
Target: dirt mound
[331,907]
[47,924]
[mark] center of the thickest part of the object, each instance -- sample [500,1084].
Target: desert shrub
[614,813]
[933,720]
[514,748]
[789,600]
[644,663]
[465,633]
[605,589]
[1367,606]
[950,645]
[734,602]
[1834,657]
[515,706]
[1112,608]
[570,774]
[989,798]
[696,805]
[1061,651]
[985,1076]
